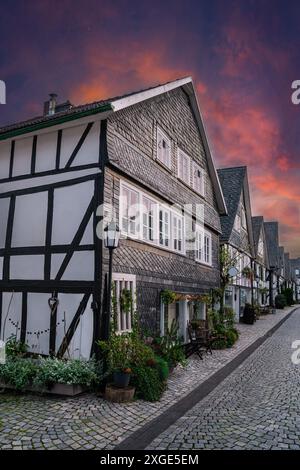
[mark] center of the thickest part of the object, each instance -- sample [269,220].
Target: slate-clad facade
[56,172]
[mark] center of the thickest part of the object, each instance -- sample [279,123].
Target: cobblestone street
[89,422]
[256,407]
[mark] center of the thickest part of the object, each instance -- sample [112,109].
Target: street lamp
[111,241]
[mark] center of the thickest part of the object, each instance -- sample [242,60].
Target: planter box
[66,390]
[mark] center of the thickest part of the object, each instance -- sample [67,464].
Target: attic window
[163,148]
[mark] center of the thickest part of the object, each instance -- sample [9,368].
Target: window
[199,246]
[207,248]
[184,167]
[129,210]
[163,148]
[198,179]
[164,227]
[122,284]
[203,246]
[177,224]
[148,211]
[143,217]
[237,222]
[243,217]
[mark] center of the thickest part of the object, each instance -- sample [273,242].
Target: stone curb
[142,438]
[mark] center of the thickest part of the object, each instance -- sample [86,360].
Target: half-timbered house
[261,262]
[60,172]
[237,236]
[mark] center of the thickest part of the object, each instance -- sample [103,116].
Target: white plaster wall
[27,267]
[46,152]
[38,320]
[29,227]
[11,310]
[70,138]
[22,156]
[70,204]
[4,207]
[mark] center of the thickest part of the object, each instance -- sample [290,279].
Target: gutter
[54,122]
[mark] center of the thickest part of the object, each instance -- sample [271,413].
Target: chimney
[50,105]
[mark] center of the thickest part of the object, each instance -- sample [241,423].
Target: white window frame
[164,227]
[183,162]
[200,190]
[201,235]
[178,231]
[124,281]
[168,229]
[145,224]
[166,160]
[128,216]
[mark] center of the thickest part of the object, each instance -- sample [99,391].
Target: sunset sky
[242,55]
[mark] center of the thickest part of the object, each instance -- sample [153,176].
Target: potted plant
[122,377]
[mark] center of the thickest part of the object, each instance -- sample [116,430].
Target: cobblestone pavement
[89,422]
[256,407]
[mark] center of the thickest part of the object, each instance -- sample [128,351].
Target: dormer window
[163,148]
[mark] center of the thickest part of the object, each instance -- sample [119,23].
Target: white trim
[125,281]
[135,98]
[202,233]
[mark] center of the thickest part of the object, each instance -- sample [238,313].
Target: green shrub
[229,316]
[231,337]
[125,351]
[15,348]
[148,383]
[18,372]
[170,347]
[162,368]
[280,301]
[219,344]
[71,371]
[22,373]
[289,295]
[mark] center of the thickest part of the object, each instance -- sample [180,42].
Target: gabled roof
[272,238]
[258,232]
[231,180]
[257,225]
[115,104]
[234,182]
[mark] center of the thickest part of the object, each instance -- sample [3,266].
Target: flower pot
[121,379]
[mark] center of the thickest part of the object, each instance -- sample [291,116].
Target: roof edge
[54,122]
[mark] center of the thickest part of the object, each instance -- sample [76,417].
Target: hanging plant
[126,300]
[167,296]
[247,272]
[205,299]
